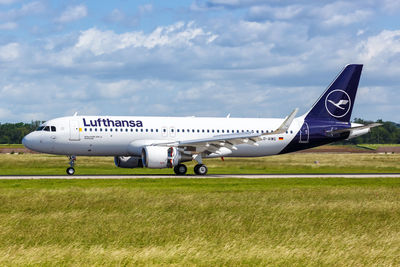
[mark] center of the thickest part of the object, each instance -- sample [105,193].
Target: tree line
[388,133]
[12,133]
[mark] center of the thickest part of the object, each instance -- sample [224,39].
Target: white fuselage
[104,136]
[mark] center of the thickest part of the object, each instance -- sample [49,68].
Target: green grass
[43,164]
[376,146]
[11,146]
[206,222]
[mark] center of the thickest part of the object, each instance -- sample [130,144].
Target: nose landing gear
[71,170]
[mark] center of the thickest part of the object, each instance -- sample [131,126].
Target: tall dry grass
[296,222]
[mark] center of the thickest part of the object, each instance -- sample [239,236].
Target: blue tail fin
[336,103]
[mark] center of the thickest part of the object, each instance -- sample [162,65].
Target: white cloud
[9,52]
[381,47]
[29,9]
[8,26]
[347,18]
[263,12]
[73,13]
[104,42]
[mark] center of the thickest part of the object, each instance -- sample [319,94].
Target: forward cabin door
[74,133]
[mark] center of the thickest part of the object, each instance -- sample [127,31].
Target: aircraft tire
[200,169]
[180,169]
[70,171]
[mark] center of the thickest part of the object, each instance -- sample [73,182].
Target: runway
[211,176]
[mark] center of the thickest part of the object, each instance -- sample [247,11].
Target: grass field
[206,222]
[376,146]
[42,164]
[11,146]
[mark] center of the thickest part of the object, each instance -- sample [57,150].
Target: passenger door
[74,132]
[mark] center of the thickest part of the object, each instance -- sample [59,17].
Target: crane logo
[338,103]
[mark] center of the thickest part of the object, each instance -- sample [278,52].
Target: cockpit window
[53,128]
[40,128]
[46,128]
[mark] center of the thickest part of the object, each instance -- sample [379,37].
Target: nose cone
[28,141]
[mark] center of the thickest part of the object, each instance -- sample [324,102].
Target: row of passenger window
[179,130]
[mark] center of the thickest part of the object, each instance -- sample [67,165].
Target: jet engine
[128,162]
[157,157]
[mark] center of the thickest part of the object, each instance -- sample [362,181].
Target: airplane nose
[27,141]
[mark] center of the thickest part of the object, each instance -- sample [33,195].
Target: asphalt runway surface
[211,176]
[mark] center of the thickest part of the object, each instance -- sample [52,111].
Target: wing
[225,143]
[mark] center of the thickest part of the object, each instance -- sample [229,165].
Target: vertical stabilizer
[336,103]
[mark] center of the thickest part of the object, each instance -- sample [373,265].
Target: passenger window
[110,130]
[183,130]
[198,130]
[126,129]
[222,130]
[95,129]
[53,128]
[85,130]
[213,130]
[90,129]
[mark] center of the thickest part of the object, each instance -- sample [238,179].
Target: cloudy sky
[194,57]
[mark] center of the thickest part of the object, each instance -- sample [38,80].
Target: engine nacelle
[128,162]
[156,157]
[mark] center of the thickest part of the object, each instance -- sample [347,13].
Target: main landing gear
[71,170]
[199,169]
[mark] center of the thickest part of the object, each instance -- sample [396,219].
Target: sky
[247,58]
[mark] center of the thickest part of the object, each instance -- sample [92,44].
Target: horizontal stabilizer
[369,126]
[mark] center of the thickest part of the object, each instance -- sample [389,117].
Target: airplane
[168,142]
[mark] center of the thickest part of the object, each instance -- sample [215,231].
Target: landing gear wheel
[70,171]
[200,169]
[180,169]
